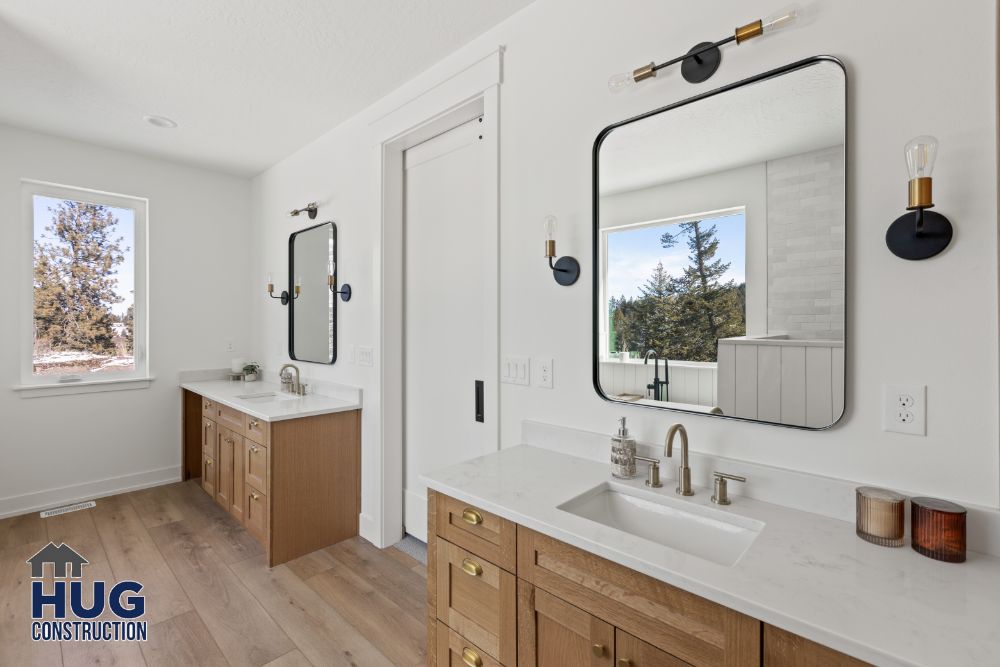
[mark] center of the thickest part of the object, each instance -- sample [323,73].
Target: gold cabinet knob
[230,441]
[254,496]
[471,516]
[598,650]
[253,423]
[208,424]
[208,462]
[471,658]
[471,567]
[253,449]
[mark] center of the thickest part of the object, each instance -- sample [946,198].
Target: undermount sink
[714,535]
[266,397]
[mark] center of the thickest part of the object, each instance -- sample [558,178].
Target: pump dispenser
[622,453]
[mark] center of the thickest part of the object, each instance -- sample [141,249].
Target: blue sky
[125,229]
[633,254]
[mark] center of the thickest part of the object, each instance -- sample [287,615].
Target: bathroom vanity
[539,558]
[287,467]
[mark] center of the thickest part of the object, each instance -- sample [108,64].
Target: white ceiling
[249,81]
[786,115]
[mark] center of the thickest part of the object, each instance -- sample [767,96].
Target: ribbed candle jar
[937,529]
[880,516]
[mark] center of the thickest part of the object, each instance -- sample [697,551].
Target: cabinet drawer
[255,516]
[255,464]
[478,600]
[229,418]
[633,652]
[684,625]
[484,534]
[208,408]
[554,633]
[454,650]
[256,429]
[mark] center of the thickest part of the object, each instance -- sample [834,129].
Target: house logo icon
[62,558]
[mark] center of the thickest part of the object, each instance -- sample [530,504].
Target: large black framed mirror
[312,311]
[719,240]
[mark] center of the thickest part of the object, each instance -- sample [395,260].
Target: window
[675,286]
[86,313]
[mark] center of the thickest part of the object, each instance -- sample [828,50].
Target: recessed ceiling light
[160,121]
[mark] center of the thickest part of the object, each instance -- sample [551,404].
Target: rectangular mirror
[312,314]
[719,239]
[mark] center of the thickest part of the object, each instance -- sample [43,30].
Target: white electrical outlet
[515,370]
[904,408]
[542,372]
[352,354]
[366,356]
[229,345]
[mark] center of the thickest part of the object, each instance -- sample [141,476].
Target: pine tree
[75,265]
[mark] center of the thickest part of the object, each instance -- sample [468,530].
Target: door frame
[474,91]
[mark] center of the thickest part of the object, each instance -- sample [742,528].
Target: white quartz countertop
[253,398]
[805,573]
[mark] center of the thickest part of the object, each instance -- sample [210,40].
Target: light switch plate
[366,356]
[904,408]
[541,370]
[515,370]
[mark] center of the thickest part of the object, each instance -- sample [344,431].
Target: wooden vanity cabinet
[295,485]
[576,609]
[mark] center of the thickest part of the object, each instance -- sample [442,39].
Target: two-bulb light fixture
[331,280]
[920,234]
[702,60]
[285,296]
[566,270]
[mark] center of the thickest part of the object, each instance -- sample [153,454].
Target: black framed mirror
[312,310]
[719,240]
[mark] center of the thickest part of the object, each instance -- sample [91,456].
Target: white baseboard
[415,514]
[42,500]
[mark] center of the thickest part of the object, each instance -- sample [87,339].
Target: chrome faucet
[292,386]
[683,471]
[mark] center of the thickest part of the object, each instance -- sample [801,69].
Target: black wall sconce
[311,209]
[566,270]
[345,291]
[702,60]
[920,234]
[284,297]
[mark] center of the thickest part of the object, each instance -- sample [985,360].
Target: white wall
[61,448]
[932,322]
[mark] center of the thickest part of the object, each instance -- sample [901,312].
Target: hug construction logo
[81,624]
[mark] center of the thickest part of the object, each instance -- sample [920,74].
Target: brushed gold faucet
[292,386]
[683,471]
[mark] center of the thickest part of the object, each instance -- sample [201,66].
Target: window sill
[91,387]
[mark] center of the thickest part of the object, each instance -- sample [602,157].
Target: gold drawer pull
[598,650]
[471,567]
[471,516]
[253,423]
[471,658]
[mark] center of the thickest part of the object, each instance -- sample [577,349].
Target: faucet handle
[721,495]
[653,480]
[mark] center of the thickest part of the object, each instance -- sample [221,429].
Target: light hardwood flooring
[210,597]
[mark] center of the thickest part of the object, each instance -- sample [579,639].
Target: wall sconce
[311,208]
[285,298]
[702,60]
[566,270]
[922,233]
[331,280]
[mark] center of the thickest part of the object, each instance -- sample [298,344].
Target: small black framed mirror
[312,309]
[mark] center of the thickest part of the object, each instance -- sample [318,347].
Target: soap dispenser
[622,453]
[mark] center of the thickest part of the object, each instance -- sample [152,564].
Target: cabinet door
[554,633]
[208,436]
[256,513]
[208,473]
[633,652]
[224,486]
[236,507]
[255,465]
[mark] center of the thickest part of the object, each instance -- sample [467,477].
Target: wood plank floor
[210,597]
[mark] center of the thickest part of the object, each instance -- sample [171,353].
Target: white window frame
[605,324]
[47,385]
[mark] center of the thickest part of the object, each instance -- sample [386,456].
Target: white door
[447,227]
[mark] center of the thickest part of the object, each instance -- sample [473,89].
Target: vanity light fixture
[920,234]
[285,298]
[311,208]
[566,270]
[702,60]
[331,280]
